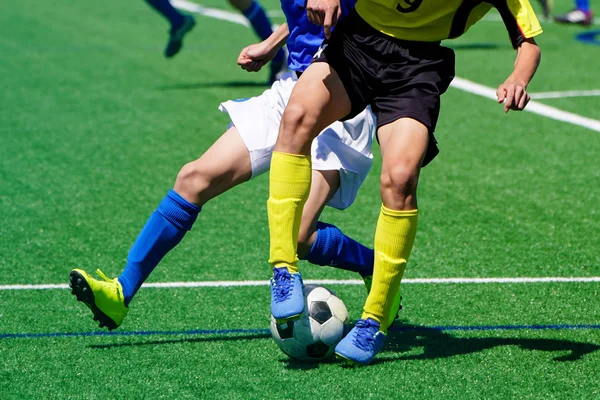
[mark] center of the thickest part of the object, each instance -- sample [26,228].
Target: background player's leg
[325,244]
[260,22]
[316,102]
[581,14]
[166,9]
[181,24]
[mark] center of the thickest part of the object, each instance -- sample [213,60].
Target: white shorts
[343,146]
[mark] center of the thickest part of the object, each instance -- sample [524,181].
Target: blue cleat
[176,35]
[363,342]
[287,299]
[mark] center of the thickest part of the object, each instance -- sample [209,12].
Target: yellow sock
[289,187]
[394,239]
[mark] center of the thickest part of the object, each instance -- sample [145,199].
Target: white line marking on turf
[458,83]
[236,18]
[495,17]
[533,106]
[434,281]
[567,93]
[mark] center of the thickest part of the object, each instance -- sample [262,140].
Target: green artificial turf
[94,126]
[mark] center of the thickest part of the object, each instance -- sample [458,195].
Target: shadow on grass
[403,338]
[204,85]
[439,344]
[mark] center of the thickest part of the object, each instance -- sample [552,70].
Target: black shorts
[397,78]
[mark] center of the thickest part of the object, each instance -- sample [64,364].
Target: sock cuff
[297,165]
[290,177]
[178,210]
[183,203]
[298,159]
[321,250]
[399,213]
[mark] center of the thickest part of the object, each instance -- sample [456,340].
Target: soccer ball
[314,336]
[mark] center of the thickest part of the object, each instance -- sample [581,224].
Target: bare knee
[191,182]
[399,186]
[298,125]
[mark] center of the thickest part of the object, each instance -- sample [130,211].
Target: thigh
[322,92]
[414,89]
[317,100]
[414,84]
[352,52]
[224,165]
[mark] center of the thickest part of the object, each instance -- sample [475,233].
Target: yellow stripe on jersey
[525,16]
[435,20]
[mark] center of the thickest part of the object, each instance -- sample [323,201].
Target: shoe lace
[101,275]
[117,288]
[283,284]
[364,334]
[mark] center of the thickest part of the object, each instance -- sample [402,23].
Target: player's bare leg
[325,244]
[403,146]
[224,165]
[324,185]
[318,100]
[310,109]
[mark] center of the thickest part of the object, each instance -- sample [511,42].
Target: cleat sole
[82,291]
[348,362]
[288,319]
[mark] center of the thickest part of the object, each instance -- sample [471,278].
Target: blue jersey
[305,37]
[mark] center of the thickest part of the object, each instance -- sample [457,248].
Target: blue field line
[233,332]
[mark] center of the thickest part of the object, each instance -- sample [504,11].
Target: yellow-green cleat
[397,302]
[103,297]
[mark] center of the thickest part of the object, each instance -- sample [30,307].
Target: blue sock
[164,230]
[333,248]
[165,8]
[259,20]
[583,5]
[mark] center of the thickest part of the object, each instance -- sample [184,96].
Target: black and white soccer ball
[321,326]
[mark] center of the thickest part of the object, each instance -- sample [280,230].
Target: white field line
[434,281]
[567,93]
[236,18]
[533,106]
[495,17]
[458,83]
[239,19]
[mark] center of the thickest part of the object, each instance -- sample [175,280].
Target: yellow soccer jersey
[434,20]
